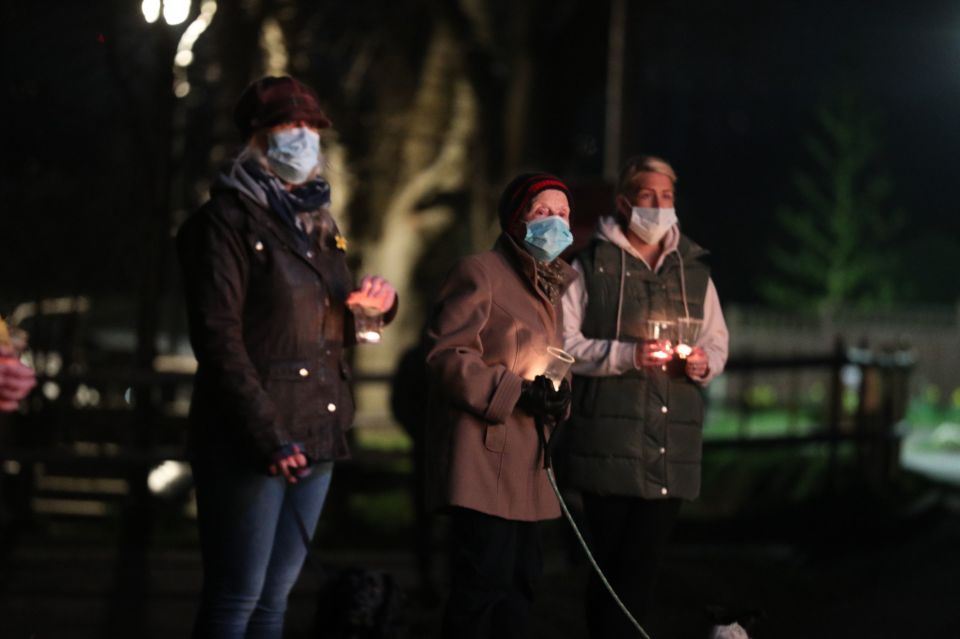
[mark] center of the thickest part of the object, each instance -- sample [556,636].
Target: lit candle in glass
[368,323]
[688,330]
[663,332]
[558,364]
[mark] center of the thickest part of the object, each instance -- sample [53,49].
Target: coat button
[309,253]
[664,410]
[331,407]
[663,451]
[664,491]
[258,246]
[304,372]
[664,367]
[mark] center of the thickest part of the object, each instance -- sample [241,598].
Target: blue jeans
[252,546]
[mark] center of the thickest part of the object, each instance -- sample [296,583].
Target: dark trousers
[628,535]
[495,564]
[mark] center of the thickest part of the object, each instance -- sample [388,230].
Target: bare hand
[652,352]
[374,292]
[697,365]
[287,466]
[16,380]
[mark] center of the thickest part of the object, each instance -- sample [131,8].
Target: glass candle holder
[664,332]
[368,323]
[688,330]
[558,365]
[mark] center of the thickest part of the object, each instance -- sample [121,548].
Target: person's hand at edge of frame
[16,380]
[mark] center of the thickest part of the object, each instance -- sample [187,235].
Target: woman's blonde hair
[642,164]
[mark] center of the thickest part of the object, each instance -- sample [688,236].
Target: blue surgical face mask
[293,154]
[547,237]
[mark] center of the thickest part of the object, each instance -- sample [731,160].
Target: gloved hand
[559,402]
[540,399]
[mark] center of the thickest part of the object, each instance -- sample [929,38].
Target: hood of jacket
[609,229]
[235,177]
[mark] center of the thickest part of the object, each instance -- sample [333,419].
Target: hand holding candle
[557,366]
[548,395]
[368,303]
[541,399]
[652,352]
[657,347]
[16,379]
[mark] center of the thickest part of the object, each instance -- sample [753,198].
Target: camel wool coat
[489,331]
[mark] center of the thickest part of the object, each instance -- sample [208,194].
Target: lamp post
[174,55]
[128,617]
[157,228]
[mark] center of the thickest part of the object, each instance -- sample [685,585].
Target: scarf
[297,207]
[550,279]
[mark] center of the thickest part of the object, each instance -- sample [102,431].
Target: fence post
[743,401]
[835,410]
[793,399]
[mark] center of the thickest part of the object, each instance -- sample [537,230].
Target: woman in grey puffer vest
[633,443]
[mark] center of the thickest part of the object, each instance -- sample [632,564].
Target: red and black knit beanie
[520,192]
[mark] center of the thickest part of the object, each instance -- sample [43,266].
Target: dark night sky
[725,90]
[728,90]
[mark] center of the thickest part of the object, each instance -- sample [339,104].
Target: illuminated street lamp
[151,10]
[174,11]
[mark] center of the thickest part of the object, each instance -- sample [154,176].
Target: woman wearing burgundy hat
[267,289]
[495,316]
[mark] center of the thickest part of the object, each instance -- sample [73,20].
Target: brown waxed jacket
[268,326]
[490,329]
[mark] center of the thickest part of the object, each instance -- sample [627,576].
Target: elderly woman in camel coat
[496,315]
